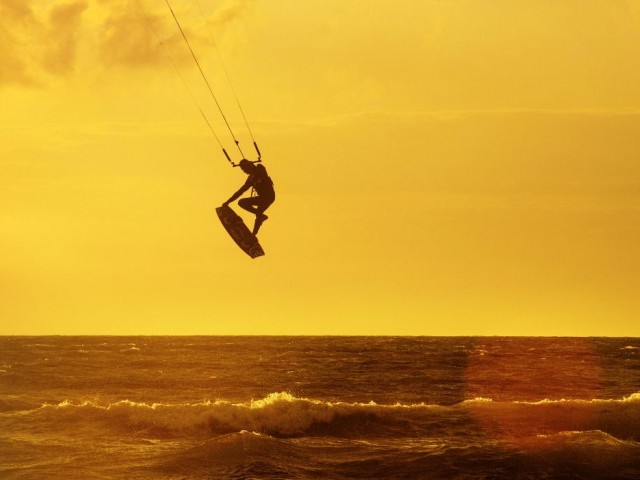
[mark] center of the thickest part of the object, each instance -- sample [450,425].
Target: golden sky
[442,167]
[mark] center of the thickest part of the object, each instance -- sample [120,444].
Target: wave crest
[278,414]
[284,415]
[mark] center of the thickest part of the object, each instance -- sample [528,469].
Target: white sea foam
[591,442]
[280,414]
[477,400]
[131,349]
[283,414]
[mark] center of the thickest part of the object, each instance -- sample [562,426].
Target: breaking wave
[283,415]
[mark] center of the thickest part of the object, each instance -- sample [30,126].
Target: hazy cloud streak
[54,39]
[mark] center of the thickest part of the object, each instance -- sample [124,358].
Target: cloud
[13,70]
[33,43]
[16,18]
[63,32]
[16,11]
[133,36]
[233,10]
[40,41]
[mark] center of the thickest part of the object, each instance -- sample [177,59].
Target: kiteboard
[236,228]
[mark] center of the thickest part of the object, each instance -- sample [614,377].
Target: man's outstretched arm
[233,197]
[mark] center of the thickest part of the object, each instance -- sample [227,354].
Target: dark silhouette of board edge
[239,232]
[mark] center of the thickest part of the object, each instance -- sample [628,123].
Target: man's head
[246,166]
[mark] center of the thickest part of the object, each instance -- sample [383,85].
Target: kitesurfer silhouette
[262,185]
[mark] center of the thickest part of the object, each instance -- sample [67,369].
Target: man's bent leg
[250,204]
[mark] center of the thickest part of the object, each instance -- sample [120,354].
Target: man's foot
[260,218]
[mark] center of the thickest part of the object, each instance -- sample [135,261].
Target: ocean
[319,408]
